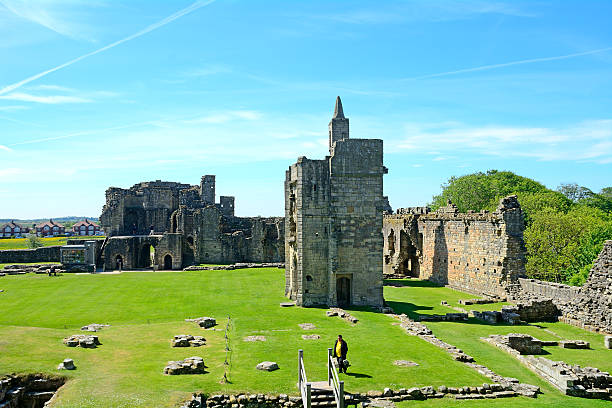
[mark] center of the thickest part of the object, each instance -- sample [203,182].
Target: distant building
[12,229]
[50,229]
[86,227]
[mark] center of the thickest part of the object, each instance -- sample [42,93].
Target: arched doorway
[343,291]
[168,262]
[146,253]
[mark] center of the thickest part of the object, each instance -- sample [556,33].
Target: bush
[33,241]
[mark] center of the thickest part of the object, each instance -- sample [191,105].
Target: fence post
[300,357]
[341,395]
[329,366]
[308,390]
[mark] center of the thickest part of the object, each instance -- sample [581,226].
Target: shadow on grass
[410,309]
[358,375]
[414,283]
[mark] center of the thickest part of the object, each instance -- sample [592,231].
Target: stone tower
[207,189]
[333,221]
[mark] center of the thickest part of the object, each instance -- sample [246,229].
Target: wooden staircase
[321,394]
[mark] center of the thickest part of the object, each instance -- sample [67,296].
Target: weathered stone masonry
[475,252]
[185,226]
[333,221]
[588,306]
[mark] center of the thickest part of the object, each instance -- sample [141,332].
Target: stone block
[267,366]
[608,342]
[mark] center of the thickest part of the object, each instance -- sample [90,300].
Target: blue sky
[110,93]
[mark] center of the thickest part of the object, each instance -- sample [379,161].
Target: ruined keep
[333,217]
[184,226]
[475,252]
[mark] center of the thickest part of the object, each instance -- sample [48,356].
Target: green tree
[554,239]
[574,192]
[589,248]
[33,241]
[479,191]
[606,192]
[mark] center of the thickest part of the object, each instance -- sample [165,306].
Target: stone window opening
[467,230]
[308,278]
[314,187]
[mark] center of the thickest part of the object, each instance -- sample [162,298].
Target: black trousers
[341,366]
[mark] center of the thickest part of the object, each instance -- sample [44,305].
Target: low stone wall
[562,294]
[43,254]
[588,306]
[235,266]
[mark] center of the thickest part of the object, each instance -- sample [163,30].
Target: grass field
[20,243]
[146,309]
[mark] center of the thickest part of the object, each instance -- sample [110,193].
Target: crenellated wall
[480,253]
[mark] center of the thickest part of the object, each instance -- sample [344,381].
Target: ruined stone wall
[43,254]
[480,253]
[224,240]
[135,210]
[588,306]
[307,192]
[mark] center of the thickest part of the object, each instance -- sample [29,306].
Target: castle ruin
[480,252]
[184,226]
[333,219]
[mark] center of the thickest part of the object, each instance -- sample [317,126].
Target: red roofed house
[50,229]
[86,228]
[12,229]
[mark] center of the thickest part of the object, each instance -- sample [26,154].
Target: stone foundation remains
[32,390]
[587,382]
[191,365]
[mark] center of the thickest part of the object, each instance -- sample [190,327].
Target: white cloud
[433,11]
[586,141]
[225,116]
[62,17]
[189,9]
[5,148]
[12,108]
[47,99]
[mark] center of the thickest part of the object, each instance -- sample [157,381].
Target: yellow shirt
[339,349]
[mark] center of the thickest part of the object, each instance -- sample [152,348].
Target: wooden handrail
[303,384]
[333,380]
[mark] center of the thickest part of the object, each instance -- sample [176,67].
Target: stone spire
[338,112]
[338,126]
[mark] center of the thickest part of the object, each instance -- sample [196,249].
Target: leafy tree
[554,239]
[574,192]
[598,201]
[606,192]
[479,191]
[589,248]
[33,241]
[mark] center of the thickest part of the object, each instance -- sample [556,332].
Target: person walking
[340,350]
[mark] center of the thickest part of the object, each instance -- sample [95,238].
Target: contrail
[508,64]
[161,23]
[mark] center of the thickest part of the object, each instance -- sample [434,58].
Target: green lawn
[146,309]
[20,243]
[422,297]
